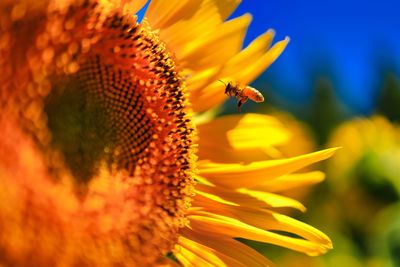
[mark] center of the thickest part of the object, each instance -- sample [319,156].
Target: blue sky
[347,41]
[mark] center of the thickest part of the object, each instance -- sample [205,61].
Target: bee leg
[241,102]
[228,89]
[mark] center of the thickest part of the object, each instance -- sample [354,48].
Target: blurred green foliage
[388,103]
[324,112]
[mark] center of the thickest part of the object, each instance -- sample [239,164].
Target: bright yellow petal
[276,201]
[213,95]
[245,131]
[128,7]
[201,195]
[243,138]
[250,54]
[268,221]
[215,49]
[190,259]
[229,247]
[262,218]
[199,79]
[235,64]
[291,181]
[212,224]
[226,7]
[208,15]
[171,11]
[239,175]
[251,71]
[245,197]
[199,253]
[226,154]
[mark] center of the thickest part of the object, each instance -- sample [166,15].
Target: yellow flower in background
[365,172]
[364,193]
[370,155]
[104,158]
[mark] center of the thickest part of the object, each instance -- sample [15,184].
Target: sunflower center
[79,128]
[101,103]
[95,116]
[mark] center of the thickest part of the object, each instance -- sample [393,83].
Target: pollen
[97,102]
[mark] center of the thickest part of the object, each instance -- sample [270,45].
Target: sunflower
[109,153]
[368,164]
[365,181]
[361,196]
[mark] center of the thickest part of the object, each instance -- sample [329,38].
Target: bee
[243,93]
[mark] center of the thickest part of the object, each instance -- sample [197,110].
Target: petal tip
[248,17]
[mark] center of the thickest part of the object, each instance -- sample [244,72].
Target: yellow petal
[202,196]
[212,224]
[257,67]
[223,153]
[261,218]
[191,259]
[239,61]
[212,95]
[245,197]
[274,200]
[238,175]
[200,79]
[250,54]
[291,181]
[248,131]
[208,15]
[267,221]
[215,49]
[129,7]
[226,7]
[199,253]
[229,247]
[245,139]
[171,11]
[202,180]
